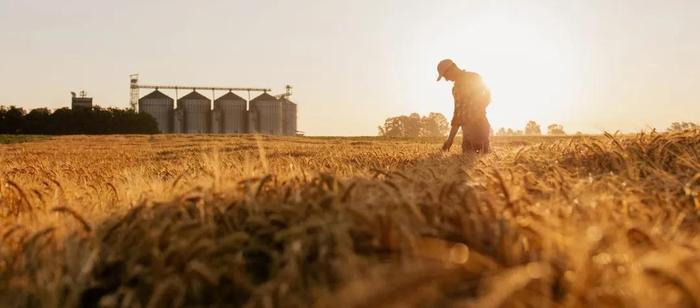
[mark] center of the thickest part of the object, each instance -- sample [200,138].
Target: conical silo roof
[156,95]
[287,101]
[230,96]
[264,97]
[193,95]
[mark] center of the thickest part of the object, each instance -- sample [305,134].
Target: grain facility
[160,106]
[231,112]
[267,114]
[82,101]
[289,117]
[267,110]
[197,110]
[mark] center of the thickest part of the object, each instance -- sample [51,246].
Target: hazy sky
[590,65]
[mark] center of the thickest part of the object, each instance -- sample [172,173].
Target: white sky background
[589,65]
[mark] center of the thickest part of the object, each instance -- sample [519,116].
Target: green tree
[64,121]
[11,120]
[35,122]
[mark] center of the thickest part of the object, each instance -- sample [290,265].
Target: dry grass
[155,221]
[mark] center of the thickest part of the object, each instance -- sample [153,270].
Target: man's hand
[447,145]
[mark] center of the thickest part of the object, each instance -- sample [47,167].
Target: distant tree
[36,121]
[683,126]
[518,133]
[532,128]
[434,125]
[501,132]
[393,127]
[64,121]
[510,132]
[413,125]
[555,130]
[11,120]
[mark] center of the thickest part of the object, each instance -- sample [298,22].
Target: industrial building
[82,101]
[267,114]
[230,114]
[196,109]
[160,106]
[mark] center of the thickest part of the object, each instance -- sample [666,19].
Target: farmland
[205,220]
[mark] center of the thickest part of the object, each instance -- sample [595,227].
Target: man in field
[471,98]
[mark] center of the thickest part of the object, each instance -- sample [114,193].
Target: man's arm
[455,122]
[450,139]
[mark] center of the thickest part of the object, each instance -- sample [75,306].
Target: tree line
[436,125]
[532,128]
[65,121]
[683,126]
[413,125]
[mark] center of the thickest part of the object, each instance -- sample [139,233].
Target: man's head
[448,69]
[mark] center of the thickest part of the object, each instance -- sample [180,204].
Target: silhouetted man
[471,98]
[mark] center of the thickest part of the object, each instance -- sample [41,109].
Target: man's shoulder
[466,80]
[469,76]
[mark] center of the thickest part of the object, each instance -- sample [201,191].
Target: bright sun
[528,72]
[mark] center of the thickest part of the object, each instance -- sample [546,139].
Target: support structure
[134,99]
[135,86]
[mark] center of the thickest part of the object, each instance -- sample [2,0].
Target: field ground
[166,221]
[5,139]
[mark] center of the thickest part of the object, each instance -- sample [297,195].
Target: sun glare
[528,72]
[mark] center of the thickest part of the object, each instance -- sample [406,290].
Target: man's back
[471,97]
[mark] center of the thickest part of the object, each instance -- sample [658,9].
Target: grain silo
[252,126]
[269,114]
[178,121]
[197,108]
[160,107]
[215,124]
[289,117]
[233,113]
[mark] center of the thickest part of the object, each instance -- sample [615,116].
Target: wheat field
[259,221]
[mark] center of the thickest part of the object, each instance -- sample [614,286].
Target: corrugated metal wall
[215,124]
[233,113]
[160,107]
[196,108]
[269,114]
[289,118]
[179,121]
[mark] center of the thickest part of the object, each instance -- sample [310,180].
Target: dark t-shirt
[471,98]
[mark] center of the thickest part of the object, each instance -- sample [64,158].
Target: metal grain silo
[233,113]
[197,108]
[252,126]
[289,117]
[215,124]
[178,121]
[269,114]
[160,107]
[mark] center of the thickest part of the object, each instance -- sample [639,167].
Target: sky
[590,65]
